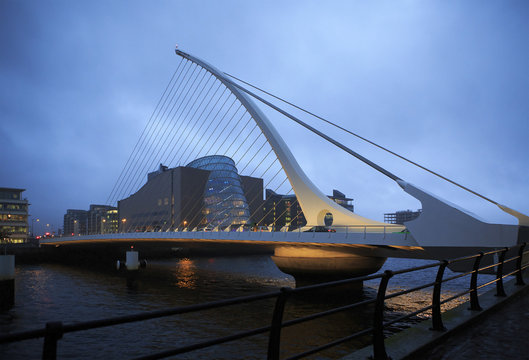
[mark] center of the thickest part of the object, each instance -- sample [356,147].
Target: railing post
[500,291]
[474,302]
[519,277]
[437,320]
[274,341]
[379,349]
[53,334]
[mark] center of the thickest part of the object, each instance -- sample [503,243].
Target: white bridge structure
[356,246]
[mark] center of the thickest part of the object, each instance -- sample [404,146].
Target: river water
[53,292]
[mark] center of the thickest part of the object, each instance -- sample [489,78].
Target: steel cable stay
[266,156]
[253,157]
[221,120]
[259,220]
[196,144]
[359,137]
[146,222]
[141,153]
[142,165]
[193,126]
[222,131]
[247,137]
[218,151]
[227,111]
[133,173]
[145,159]
[214,119]
[196,127]
[252,143]
[110,199]
[184,209]
[153,219]
[241,131]
[171,199]
[266,185]
[271,209]
[181,121]
[234,141]
[274,160]
[183,159]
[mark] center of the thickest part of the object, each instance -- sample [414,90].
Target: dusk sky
[444,83]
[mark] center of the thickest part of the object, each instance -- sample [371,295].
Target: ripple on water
[55,292]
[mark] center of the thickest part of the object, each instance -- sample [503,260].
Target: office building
[400,217]
[13,216]
[110,221]
[207,193]
[97,217]
[340,198]
[75,222]
[284,210]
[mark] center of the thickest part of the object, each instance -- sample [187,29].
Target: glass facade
[224,200]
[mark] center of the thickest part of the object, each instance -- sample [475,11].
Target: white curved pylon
[313,202]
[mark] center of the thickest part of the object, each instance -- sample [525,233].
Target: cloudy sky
[445,83]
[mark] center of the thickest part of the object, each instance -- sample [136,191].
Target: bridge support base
[132,265]
[310,265]
[7,281]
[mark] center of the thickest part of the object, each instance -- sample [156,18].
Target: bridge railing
[54,331]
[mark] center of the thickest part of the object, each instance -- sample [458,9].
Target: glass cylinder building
[224,200]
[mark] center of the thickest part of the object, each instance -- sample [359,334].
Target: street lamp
[33,225]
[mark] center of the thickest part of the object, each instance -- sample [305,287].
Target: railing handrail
[55,330]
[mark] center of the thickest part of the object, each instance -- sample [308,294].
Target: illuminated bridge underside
[358,243]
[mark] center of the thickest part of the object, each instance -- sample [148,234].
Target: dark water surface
[52,292]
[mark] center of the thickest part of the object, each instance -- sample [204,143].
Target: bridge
[223,150]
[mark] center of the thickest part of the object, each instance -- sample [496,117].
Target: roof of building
[11,189]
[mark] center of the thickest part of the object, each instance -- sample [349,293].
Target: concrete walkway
[501,334]
[499,331]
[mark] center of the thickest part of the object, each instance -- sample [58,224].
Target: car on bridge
[320,229]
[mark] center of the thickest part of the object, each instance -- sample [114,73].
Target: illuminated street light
[33,225]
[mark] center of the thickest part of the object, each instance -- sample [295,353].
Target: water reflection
[54,292]
[185,274]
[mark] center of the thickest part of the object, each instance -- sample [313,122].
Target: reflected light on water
[185,274]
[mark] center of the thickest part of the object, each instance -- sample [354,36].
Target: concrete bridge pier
[132,265]
[311,264]
[7,281]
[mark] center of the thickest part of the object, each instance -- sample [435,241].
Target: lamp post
[32,226]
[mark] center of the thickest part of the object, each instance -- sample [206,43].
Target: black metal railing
[54,331]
